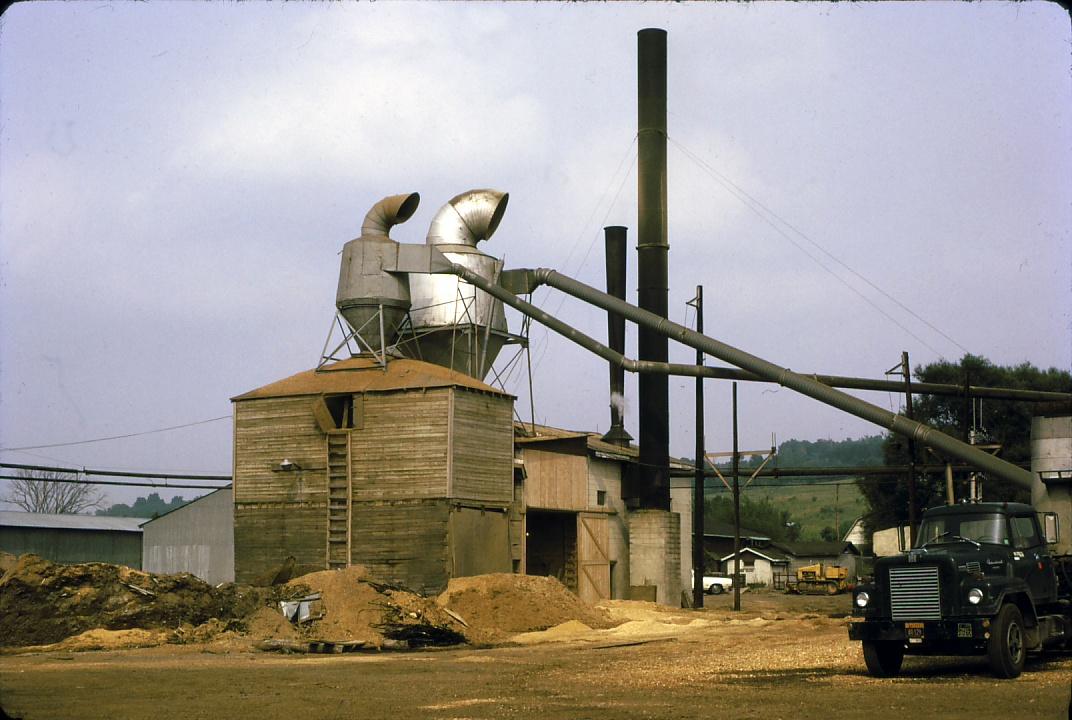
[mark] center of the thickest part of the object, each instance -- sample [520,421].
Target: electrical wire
[79,481]
[113,437]
[765,214]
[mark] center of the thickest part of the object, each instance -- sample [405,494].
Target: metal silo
[453,323]
[366,292]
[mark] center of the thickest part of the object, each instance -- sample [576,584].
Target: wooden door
[593,557]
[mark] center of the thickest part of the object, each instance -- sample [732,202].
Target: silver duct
[455,324]
[374,303]
[468,218]
[389,212]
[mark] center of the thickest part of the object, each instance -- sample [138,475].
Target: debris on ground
[94,606]
[501,605]
[42,602]
[356,608]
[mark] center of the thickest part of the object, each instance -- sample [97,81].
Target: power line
[115,473]
[114,437]
[79,481]
[759,209]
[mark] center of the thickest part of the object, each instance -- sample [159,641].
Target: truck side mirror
[1051,527]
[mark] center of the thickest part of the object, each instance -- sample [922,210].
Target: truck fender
[1023,601]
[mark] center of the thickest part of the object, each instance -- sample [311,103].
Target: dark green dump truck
[980,580]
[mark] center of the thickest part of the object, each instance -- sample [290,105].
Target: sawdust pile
[49,606]
[355,608]
[43,602]
[500,605]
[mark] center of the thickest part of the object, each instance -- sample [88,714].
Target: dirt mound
[356,608]
[500,605]
[43,602]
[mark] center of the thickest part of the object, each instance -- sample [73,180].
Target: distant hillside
[803,507]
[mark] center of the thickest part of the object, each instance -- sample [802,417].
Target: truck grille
[914,593]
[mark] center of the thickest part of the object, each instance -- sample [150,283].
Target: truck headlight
[975,596]
[862,598]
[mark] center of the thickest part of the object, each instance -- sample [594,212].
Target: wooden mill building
[406,469]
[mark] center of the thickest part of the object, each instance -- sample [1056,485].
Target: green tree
[145,507]
[1006,423]
[759,515]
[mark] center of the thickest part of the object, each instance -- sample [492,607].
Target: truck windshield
[988,528]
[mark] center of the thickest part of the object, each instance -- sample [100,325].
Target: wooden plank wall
[403,542]
[401,451]
[267,431]
[265,534]
[556,481]
[278,514]
[479,542]
[482,442]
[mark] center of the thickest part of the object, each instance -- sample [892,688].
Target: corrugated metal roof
[70,522]
[365,375]
[528,434]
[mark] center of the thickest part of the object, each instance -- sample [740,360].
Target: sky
[846,181]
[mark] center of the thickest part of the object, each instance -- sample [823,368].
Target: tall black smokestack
[614,237]
[652,251]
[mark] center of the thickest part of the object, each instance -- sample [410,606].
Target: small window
[601,497]
[1024,534]
[341,409]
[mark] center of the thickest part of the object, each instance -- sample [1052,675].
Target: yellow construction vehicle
[819,579]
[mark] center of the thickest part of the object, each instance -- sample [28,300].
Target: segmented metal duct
[468,218]
[389,212]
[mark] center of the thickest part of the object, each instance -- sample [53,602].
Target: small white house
[766,566]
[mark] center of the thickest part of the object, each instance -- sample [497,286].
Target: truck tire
[1006,650]
[715,589]
[883,657]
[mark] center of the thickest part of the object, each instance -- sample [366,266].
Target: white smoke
[617,401]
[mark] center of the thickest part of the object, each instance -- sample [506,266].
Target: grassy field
[814,506]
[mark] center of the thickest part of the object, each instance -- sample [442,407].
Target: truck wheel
[715,589]
[1006,650]
[883,658]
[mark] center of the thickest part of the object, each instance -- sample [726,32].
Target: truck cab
[980,579]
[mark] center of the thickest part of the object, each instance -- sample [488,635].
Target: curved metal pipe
[389,212]
[727,353]
[468,218]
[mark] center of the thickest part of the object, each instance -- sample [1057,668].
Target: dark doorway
[551,545]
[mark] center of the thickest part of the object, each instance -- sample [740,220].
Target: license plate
[914,631]
[964,630]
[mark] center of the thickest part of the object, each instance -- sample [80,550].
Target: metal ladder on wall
[338,500]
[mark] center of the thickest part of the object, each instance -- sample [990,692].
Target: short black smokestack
[652,252]
[614,237]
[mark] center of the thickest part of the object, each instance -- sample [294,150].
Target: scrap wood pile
[96,605]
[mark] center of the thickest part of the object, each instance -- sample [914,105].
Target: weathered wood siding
[479,541]
[401,450]
[606,475]
[556,481]
[482,444]
[278,514]
[403,542]
[266,534]
[266,432]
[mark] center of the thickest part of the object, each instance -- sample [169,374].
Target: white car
[716,584]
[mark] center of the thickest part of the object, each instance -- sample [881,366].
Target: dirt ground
[781,657]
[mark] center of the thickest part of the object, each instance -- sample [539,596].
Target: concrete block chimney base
[655,555]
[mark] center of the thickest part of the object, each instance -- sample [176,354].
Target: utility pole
[736,510]
[910,414]
[698,489]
